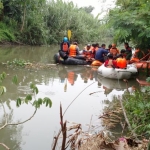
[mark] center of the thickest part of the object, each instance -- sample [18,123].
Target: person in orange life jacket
[110,63]
[100,53]
[93,49]
[64,46]
[87,52]
[74,51]
[87,47]
[114,50]
[138,54]
[128,51]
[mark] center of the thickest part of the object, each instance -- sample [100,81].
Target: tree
[130,20]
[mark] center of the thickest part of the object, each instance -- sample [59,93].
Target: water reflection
[70,74]
[61,84]
[11,135]
[113,88]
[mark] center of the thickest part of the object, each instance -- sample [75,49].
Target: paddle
[144,56]
[69,34]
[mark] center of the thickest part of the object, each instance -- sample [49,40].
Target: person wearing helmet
[64,47]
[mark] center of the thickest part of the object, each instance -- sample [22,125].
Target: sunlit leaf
[15,79]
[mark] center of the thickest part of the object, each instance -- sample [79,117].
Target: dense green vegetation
[39,22]
[137,106]
[130,21]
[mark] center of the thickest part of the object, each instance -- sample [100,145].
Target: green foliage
[36,103]
[130,20]
[29,97]
[37,26]
[137,107]
[6,33]
[17,63]
[63,16]
[2,77]
[1,7]
[15,79]
[2,88]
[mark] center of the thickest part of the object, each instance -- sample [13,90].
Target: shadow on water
[61,84]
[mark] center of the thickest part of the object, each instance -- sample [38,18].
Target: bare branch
[25,120]
[56,139]
[5,146]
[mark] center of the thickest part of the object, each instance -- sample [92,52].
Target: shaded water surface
[78,87]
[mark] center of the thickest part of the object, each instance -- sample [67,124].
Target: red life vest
[65,47]
[87,53]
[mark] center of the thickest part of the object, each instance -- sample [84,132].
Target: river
[78,87]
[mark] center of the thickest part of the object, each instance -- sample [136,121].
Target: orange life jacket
[121,63]
[72,51]
[87,53]
[85,48]
[93,52]
[114,51]
[96,63]
[65,47]
[71,77]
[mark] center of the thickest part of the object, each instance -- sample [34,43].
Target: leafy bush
[137,107]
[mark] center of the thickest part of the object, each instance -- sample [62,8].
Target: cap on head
[65,39]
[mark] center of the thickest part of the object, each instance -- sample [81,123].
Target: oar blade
[69,34]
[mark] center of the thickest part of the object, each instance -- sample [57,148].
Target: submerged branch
[6,147]
[25,120]
[5,115]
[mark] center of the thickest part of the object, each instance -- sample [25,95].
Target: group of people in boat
[96,55]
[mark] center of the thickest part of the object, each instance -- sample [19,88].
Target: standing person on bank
[128,51]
